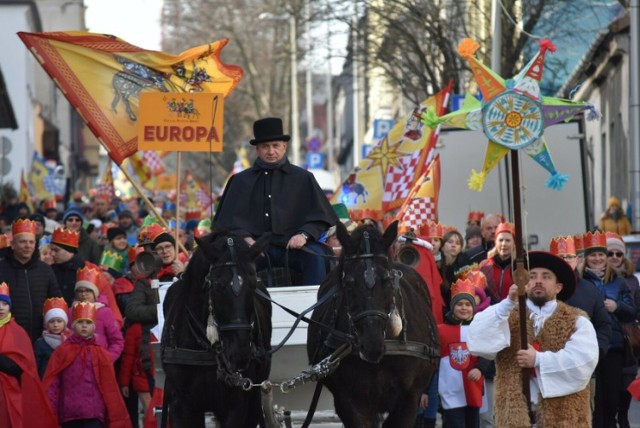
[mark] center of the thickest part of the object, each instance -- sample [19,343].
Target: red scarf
[62,357]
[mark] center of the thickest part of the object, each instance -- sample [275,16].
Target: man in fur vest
[562,352]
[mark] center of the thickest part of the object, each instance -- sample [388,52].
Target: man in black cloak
[278,197]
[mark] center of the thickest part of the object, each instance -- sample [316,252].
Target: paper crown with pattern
[463,289]
[65,237]
[149,220]
[563,245]
[594,241]
[23,225]
[111,260]
[473,274]
[475,216]
[5,241]
[5,295]
[132,253]
[577,241]
[50,204]
[54,303]
[88,278]
[432,230]
[83,311]
[147,234]
[505,227]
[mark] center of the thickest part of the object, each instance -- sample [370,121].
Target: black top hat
[268,129]
[564,273]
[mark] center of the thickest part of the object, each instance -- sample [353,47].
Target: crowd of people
[77,311]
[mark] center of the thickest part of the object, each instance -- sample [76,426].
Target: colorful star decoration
[513,114]
[385,155]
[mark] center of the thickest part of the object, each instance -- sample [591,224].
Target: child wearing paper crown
[108,332]
[55,331]
[22,400]
[80,381]
[460,377]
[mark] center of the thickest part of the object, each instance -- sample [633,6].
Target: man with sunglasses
[88,249]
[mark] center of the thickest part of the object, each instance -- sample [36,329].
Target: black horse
[216,336]
[386,308]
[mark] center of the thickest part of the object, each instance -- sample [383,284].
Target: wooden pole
[148,202]
[179,162]
[521,275]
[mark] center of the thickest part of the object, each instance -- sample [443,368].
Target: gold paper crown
[463,286]
[88,275]
[113,260]
[83,311]
[432,230]
[5,241]
[55,303]
[65,237]
[475,216]
[50,204]
[506,227]
[561,245]
[133,252]
[4,289]
[23,225]
[594,240]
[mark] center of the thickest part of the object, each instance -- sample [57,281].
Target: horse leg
[183,415]
[353,415]
[403,413]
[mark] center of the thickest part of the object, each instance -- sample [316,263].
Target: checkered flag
[421,206]
[419,211]
[398,181]
[153,161]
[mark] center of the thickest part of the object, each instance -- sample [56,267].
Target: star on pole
[385,155]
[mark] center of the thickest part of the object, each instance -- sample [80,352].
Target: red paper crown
[65,237]
[5,241]
[505,227]
[23,225]
[447,229]
[594,240]
[474,274]
[561,245]
[92,276]
[55,303]
[577,241]
[432,230]
[463,286]
[133,252]
[4,289]
[154,230]
[50,204]
[192,215]
[83,311]
[475,216]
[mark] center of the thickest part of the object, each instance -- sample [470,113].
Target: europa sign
[180,121]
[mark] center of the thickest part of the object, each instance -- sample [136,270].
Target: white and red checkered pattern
[399,181]
[203,197]
[153,161]
[419,211]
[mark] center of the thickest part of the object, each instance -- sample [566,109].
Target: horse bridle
[236,286]
[369,280]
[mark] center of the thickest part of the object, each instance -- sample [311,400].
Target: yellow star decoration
[385,155]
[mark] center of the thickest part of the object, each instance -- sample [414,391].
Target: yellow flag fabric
[194,195]
[102,77]
[24,195]
[382,181]
[38,177]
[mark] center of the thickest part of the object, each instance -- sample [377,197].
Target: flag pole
[179,162]
[148,202]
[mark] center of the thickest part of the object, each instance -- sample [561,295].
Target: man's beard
[539,300]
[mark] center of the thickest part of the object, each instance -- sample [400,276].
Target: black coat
[30,284]
[66,274]
[284,201]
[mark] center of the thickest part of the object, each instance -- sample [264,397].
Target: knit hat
[83,311]
[164,237]
[66,239]
[38,218]
[594,242]
[55,307]
[88,278]
[463,289]
[114,232]
[5,296]
[615,242]
[72,211]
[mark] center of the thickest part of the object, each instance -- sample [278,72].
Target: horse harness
[212,349]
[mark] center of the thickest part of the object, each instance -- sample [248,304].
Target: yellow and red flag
[24,195]
[106,187]
[421,206]
[102,76]
[382,181]
[194,194]
[140,169]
